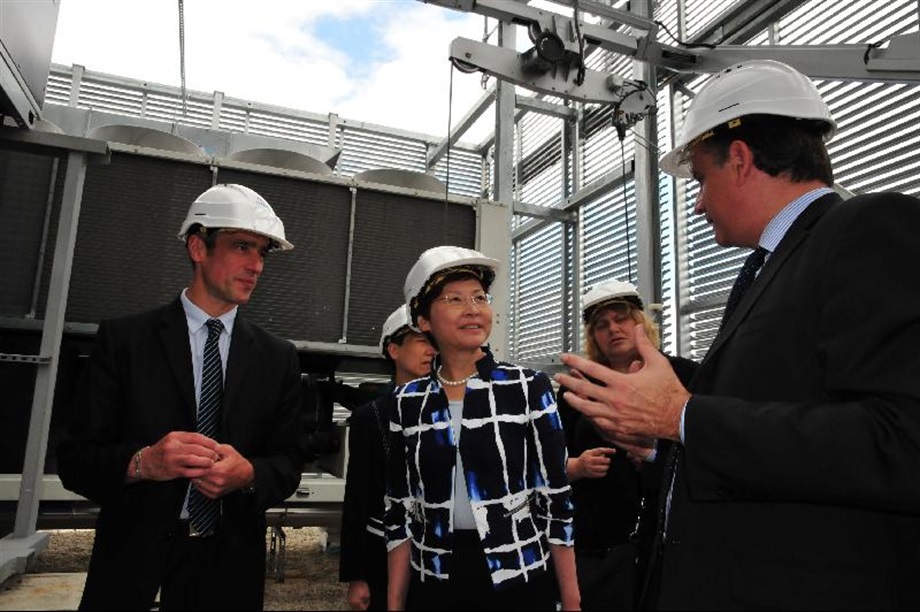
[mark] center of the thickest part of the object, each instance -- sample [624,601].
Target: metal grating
[382,222]
[538,260]
[875,148]
[24,212]
[364,147]
[127,257]
[465,173]
[364,150]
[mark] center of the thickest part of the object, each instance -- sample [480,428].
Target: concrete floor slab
[42,592]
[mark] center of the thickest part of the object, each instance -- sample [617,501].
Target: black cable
[621,129]
[450,105]
[182,56]
[580,76]
[625,208]
[622,125]
[869,49]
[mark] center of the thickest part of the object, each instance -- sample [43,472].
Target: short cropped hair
[207,235]
[781,146]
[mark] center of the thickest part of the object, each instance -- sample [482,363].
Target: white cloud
[270,51]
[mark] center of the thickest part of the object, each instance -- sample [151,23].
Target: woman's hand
[593,463]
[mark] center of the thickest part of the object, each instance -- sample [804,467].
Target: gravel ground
[310,577]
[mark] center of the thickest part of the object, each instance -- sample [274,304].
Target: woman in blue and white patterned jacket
[479,514]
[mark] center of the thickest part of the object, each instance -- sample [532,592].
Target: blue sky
[357,36]
[377,61]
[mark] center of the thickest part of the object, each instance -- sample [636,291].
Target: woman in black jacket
[363,557]
[615,499]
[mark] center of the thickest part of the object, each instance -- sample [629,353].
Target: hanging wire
[626,213]
[484,79]
[580,76]
[450,105]
[182,55]
[645,141]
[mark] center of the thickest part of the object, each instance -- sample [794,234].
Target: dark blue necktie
[747,275]
[204,512]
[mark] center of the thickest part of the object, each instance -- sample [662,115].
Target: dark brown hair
[781,146]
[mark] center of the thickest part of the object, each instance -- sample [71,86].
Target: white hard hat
[395,323]
[442,258]
[755,87]
[236,207]
[605,292]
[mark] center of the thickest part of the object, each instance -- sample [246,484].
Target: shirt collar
[197,318]
[778,226]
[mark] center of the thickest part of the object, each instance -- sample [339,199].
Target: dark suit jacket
[138,387]
[799,485]
[606,509]
[363,554]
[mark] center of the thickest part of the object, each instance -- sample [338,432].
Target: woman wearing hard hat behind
[363,558]
[477,495]
[608,489]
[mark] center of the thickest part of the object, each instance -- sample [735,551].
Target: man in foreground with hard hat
[795,481]
[363,556]
[182,463]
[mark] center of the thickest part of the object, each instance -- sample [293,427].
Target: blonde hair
[638,315]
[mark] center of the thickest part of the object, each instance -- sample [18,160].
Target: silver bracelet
[137,463]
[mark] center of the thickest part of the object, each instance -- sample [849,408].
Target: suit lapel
[793,239]
[239,363]
[173,332]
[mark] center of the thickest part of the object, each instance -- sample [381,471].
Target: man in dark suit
[795,481]
[182,464]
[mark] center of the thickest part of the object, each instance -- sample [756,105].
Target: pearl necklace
[452,383]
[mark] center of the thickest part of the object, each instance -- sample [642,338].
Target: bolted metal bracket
[506,64]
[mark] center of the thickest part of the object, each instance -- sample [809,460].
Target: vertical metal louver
[363,146]
[538,260]
[875,147]
[609,237]
[365,150]
[465,173]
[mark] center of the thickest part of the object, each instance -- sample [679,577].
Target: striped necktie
[204,512]
[745,278]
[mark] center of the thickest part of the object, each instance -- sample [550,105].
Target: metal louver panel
[701,14]
[364,146]
[24,211]
[875,147]
[536,328]
[364,150]
[316,220]
[465,173]
[279,125]
[383,255]
[127,257]
[608,238]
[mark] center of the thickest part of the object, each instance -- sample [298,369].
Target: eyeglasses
[455,300]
